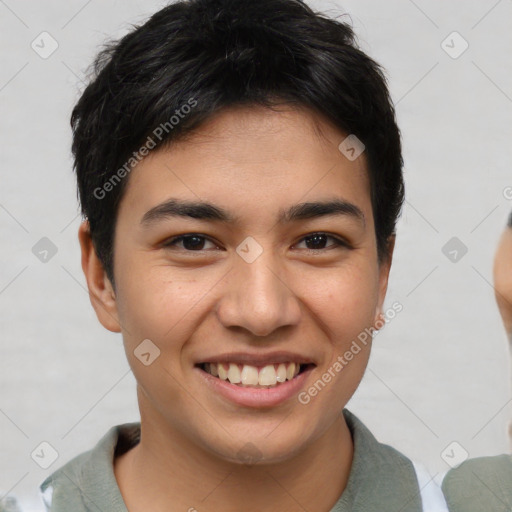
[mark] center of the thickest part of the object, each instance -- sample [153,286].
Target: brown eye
[191,242]
[317,242]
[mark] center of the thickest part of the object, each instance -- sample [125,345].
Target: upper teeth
[249,375]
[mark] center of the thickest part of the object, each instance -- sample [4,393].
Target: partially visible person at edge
[239,169]
[503,287]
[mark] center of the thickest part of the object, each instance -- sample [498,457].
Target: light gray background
[439,372]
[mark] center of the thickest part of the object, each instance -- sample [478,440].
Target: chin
[259,451]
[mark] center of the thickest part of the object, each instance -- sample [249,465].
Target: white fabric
[47,498]
[432,496]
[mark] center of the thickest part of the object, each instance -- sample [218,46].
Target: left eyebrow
[303,211]
[207,211]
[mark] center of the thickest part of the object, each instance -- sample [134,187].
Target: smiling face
[278,266]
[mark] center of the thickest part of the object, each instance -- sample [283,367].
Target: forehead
[254,131]
[252,159]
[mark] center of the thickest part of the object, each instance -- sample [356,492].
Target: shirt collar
[380,478]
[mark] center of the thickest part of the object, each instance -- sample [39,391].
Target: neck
[167,471]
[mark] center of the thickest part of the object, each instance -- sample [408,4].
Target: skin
[503,279]
[502,274]
[197,303]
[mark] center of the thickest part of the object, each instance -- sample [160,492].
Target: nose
[258,297]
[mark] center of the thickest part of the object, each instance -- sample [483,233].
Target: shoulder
[381,477]
[88,478]
[482,483]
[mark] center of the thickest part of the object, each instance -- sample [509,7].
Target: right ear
[101,291]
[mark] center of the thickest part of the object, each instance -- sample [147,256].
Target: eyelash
[337,241]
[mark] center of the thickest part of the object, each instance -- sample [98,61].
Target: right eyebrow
[180,208]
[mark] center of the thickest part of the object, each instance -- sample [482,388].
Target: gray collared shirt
[380,479]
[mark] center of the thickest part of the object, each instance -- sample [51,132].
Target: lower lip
[256,397]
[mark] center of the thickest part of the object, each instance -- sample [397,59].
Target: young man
[240,172]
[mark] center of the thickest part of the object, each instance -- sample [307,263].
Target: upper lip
[257,359]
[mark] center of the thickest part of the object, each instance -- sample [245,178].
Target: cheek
[345,309]
[154,303]
[345,300]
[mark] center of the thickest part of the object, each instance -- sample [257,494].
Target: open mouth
[265,377]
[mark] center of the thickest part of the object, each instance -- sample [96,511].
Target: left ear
[384,268]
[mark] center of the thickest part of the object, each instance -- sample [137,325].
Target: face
[259,279]
[502,273]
